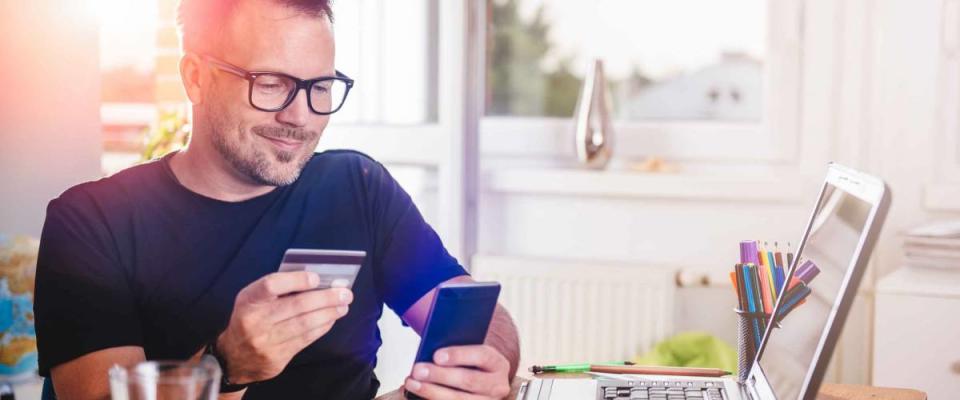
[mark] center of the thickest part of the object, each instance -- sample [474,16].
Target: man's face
[270,148]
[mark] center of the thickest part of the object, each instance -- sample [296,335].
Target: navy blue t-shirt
[137,259]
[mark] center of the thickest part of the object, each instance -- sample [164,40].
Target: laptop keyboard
[661,390]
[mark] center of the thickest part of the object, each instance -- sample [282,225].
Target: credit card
[330,265]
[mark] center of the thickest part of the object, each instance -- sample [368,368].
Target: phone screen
[460,315]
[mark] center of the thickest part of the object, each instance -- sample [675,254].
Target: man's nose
[297,112]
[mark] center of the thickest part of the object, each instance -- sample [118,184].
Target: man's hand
[273,319]
[462,372]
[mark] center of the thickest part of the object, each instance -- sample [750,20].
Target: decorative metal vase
[594,136]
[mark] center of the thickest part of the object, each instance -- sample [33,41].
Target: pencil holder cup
[749,327]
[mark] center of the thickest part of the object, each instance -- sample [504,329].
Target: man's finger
[479,356]
[298,343]
[301,303]
[464,379]
[278,284]
[429,390]
[301,326]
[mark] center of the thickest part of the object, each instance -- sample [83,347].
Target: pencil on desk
[794,298]
[807,271]
[764,260]
[733,282]
[778,256]
[752,300]
[741,295]
[772,276]
[765,294]
[573,368]
[748,252]
[654,370]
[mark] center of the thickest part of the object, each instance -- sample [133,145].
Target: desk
[827,391]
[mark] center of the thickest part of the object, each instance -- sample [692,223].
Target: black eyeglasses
[274,91]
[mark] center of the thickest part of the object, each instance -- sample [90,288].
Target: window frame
[420,143]
[949,142]
[943,192]
[444,145]
[774,139]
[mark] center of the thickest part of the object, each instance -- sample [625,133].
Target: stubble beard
[271,167]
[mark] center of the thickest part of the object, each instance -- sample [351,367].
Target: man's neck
[212,176]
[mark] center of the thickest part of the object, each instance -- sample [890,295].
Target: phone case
[460,315]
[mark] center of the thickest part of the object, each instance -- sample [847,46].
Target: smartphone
[332,266]
[459,315]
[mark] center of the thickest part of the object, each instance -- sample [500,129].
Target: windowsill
[942,196]
[633,184]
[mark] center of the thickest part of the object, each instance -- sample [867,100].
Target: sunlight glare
[121,15]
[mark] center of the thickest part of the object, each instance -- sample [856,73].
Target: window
[662,61]
[127,77]
[389,47]
[688,79]
[400,110]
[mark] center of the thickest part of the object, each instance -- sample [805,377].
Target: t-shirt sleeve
[409,258]
[83,300]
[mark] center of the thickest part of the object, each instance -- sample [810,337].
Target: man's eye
[320,89]
[268,86]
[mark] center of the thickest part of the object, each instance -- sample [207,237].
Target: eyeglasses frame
[304,84]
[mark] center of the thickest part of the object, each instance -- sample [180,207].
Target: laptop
[792,358]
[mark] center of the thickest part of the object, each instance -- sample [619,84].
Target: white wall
[49,107]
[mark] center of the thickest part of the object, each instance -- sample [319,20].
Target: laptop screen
[836,230]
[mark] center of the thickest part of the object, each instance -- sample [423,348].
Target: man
[177,257]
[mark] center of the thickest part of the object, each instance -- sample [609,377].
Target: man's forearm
[503,337]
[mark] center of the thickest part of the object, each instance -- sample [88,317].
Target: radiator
[582,311]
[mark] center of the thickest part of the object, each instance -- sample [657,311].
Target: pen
[581,367]
[654,370]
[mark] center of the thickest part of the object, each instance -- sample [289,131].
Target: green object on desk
[691,349]
[581,367]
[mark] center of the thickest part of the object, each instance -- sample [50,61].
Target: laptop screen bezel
[873,191]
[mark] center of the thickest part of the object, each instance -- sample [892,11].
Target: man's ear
[194,77]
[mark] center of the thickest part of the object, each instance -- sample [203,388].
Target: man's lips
[283,143]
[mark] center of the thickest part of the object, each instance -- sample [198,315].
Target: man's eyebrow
[331,74]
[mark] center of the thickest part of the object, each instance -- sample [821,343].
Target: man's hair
[201,22]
